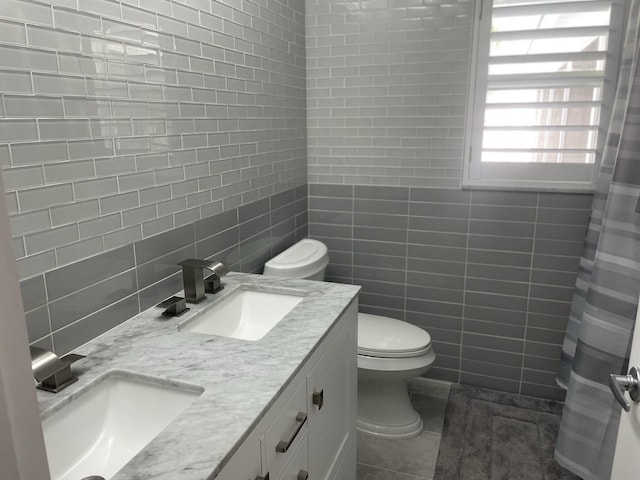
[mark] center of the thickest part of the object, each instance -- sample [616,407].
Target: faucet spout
[195,284]
[52,373]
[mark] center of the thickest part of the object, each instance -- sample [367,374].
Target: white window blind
[545,77]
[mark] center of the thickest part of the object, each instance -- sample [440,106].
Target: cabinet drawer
[298,466]
[286,432]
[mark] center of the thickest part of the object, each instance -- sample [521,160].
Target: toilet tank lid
[383,334]
[298,260]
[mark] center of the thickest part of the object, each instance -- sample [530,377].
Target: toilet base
[384,409]
[391,432]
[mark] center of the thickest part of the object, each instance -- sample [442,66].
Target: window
[545,78]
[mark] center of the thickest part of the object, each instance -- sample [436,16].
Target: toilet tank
[306,259]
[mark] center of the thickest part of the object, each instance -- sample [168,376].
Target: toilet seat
[384,337]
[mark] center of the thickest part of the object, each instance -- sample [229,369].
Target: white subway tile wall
[387,84]
[123,119]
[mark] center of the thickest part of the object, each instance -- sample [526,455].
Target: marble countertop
[241,379]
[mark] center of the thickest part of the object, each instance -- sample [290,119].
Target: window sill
[560,187]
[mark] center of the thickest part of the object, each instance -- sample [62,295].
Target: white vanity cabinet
[331,388]
[313,422]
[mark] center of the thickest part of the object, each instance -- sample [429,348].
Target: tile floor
[412,459]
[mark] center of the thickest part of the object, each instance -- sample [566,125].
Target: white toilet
[389,351]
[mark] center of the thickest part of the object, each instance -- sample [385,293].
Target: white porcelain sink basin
[106,425]
[244,314]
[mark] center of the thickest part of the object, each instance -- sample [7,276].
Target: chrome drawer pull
[283,446]
[302,475]
[318,399]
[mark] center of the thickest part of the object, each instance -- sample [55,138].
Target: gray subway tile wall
[135,132]
[488,274]
[70,305]
[387,86]
[123,119]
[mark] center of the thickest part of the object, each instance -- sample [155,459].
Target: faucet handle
[212,283]
[72,358]
[53,373]
[174,306]
[218,268]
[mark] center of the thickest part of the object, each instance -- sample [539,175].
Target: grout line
[464,287]
[408,475]
[135,266]
[406,257]
[353,229]
[526,318]
[47,304]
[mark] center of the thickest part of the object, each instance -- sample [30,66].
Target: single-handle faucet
[195,284]
[52,373]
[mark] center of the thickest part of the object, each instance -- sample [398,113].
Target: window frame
[531,176]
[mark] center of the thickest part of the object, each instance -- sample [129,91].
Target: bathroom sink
[98,431]
[244,314]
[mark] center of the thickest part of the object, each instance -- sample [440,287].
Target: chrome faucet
[52,373]
[195,285]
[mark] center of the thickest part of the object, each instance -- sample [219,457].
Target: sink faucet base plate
[210,288]
[56,389]
[195,302]
[171,314]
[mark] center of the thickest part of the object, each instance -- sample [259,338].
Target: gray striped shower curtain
[605,300]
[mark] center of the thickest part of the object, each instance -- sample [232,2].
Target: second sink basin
[109,422]
[244,314]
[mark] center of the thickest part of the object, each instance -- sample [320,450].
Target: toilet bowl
[390,351]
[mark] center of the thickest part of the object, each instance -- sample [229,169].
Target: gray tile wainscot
[241,379]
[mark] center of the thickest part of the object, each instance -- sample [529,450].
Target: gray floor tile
[415,456]
[366,472]
[431,409]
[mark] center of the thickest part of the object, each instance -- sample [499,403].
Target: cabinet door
[331,387]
